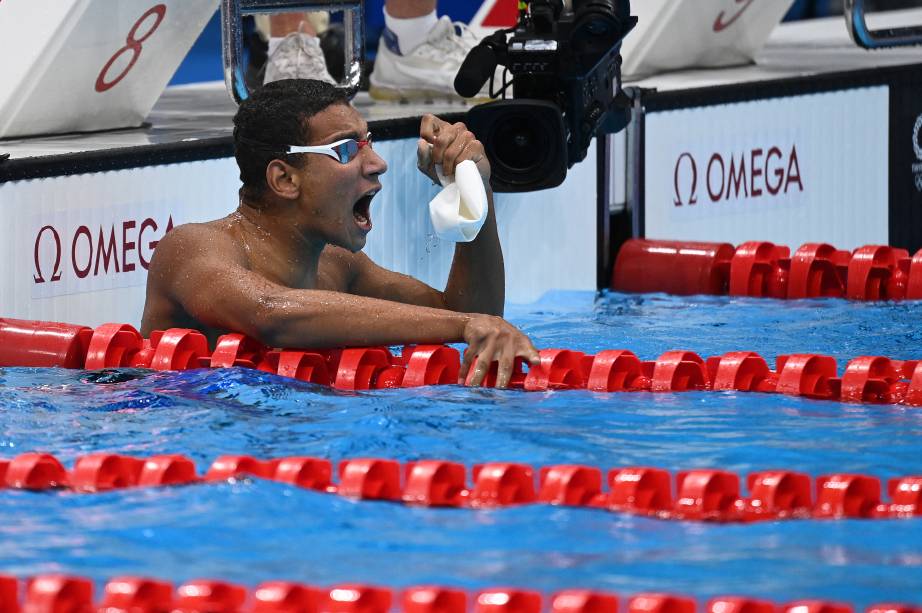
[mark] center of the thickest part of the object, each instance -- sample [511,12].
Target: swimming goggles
[343,151]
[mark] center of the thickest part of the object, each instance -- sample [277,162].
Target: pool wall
[722,156]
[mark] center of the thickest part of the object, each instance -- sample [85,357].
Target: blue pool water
[253,531]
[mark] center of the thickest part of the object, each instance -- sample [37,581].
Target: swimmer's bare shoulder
[202,277]
[183,262]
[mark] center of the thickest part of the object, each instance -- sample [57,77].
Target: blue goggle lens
[347,151]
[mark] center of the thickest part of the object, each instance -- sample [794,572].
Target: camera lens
[598,19]
[613,7]
[520,144]
[525,141]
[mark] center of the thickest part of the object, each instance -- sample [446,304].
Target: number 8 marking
[720,24]
[133,44]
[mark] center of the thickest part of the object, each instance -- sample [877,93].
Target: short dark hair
[273,116]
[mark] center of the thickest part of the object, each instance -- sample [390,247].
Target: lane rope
[865,379]
[691,495]
[765,270]
[47,593]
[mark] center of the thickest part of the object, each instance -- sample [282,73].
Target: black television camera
[566,87]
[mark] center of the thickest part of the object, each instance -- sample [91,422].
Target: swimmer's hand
[493,339]
[448,145]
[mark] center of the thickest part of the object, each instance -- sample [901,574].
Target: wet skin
[288,269]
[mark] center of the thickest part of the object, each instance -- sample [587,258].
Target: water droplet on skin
[433,242]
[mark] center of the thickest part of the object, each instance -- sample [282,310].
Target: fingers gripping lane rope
[865,379]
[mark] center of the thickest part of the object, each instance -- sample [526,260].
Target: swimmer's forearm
[316,319]
[477,282]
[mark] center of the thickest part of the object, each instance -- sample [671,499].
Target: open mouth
[361,211]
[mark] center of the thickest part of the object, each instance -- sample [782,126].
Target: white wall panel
[100,202]
[835,191]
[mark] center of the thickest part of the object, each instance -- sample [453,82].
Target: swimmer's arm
[202,271]
[476,283]
[322,319]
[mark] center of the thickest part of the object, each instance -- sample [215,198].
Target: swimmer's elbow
[280,321]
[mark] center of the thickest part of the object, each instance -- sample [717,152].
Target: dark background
[905,197]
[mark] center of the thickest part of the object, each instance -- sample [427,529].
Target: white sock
[412,32]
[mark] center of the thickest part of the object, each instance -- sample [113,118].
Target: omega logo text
[115,249]
[749,174]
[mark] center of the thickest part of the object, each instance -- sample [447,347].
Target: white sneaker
[426,72]
[298,56]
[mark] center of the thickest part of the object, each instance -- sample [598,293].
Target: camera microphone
[479,65]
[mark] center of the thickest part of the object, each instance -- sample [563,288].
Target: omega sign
[96,250]
[771,172]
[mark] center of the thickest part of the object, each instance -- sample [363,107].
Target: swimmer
[287,268]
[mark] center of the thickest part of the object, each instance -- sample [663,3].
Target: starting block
[84,65]
[676,34]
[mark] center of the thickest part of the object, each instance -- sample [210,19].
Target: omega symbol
[693,192]
[56,274]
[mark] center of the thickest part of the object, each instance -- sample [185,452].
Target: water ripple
[251,531]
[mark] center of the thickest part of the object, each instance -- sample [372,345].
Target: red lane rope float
[50,593]
[865,379]
[696,495]
[763,269]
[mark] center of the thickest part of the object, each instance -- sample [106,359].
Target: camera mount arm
[877,39]
[232,12]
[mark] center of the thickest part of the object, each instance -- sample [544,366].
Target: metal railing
[855,17]
[232,12]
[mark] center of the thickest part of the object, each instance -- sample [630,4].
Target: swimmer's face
[337,197]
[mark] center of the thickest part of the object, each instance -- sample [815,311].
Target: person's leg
[410,21]
[407,9]
[419,54]
[283,24]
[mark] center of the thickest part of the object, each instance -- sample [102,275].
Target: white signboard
[789,170]
[674,34]
[81,65]
[76,248]
[98,248]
